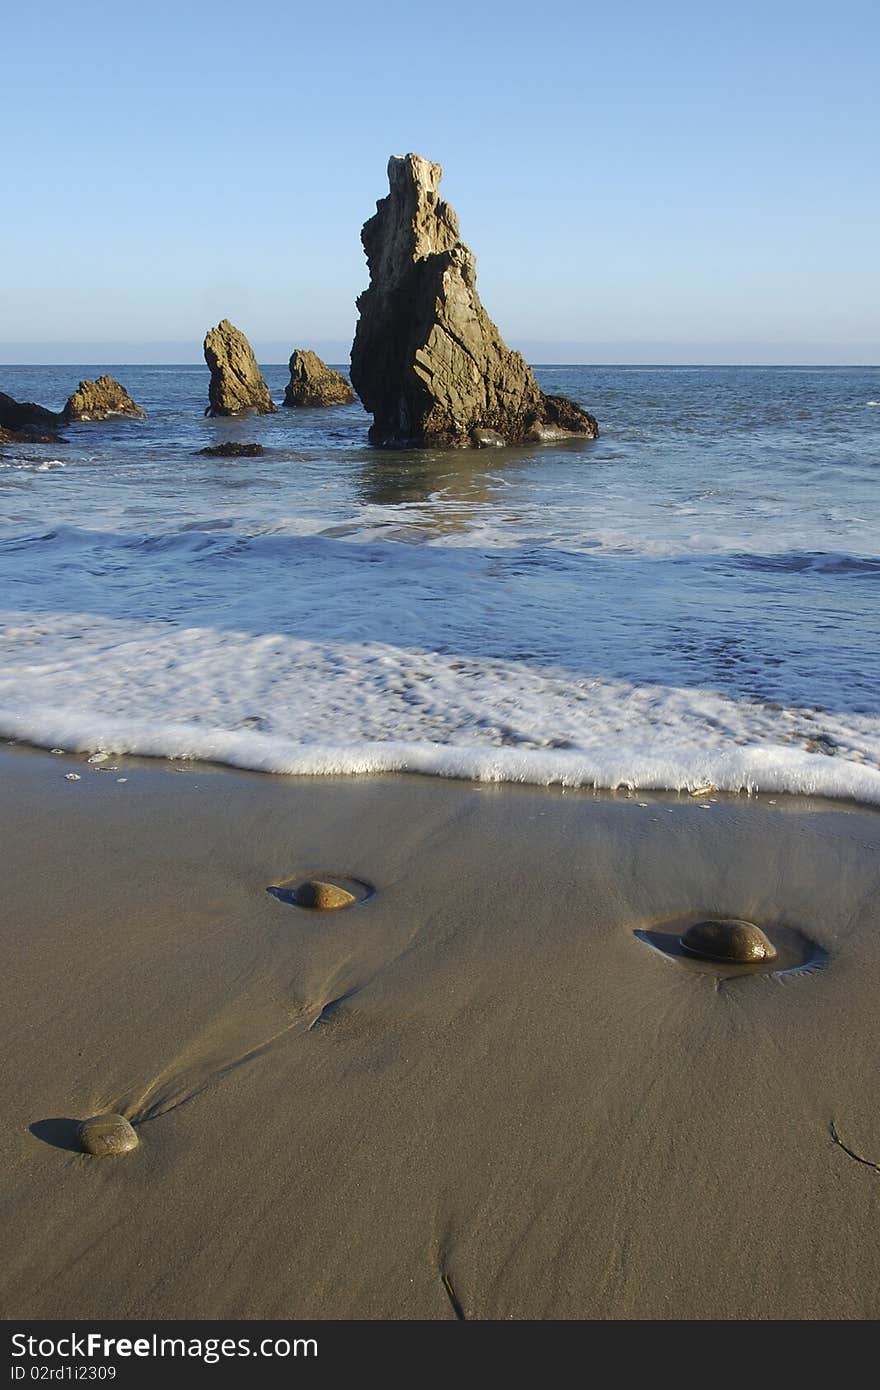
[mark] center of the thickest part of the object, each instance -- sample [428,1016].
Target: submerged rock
[312,382]
[22,422]
[106,1136]
[30,436]
[728,939]
[318,894]
[100,400]
[427,360]
[237,385]
[231,450]
[487,439]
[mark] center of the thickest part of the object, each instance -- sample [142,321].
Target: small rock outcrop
[230,450]
[32,435]
[101,400]
[312,382]
[237,386]
[22,422]
[427,361]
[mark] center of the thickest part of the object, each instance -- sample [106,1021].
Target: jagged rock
[312,382]
[22,422]
[237,385]
[427,360]
[101,399]
[231,450]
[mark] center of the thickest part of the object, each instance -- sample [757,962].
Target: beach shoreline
[478,1078]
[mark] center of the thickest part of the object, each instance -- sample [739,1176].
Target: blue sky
[639,182]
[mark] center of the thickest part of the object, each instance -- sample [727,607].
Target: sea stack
[312,382]
[101,400]
[427,361]
[237,386]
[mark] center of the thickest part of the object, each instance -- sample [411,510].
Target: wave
[220,540]
[30,465]
[819,561]
[760,768]
[278,703]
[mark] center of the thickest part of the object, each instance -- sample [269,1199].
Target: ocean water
[691,599]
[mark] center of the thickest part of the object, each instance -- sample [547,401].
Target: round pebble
[728,939]
[106,1136]
[318,894]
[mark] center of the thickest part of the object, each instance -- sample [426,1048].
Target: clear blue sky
[687,181]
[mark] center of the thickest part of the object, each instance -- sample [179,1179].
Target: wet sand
[476,1092]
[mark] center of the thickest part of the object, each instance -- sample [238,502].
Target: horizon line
[532,362]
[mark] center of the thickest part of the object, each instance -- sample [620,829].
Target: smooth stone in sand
[107,1136]
[728,939]
[318,894]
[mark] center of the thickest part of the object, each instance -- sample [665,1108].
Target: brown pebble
[728,939]
[106,1136]
[318,894]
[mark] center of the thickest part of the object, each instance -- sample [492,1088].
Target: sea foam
[752,769]
[275,703]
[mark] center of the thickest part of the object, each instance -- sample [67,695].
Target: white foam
[279,704]
[758,768]
[28,465]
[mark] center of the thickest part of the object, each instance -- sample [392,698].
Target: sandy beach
[476,1094]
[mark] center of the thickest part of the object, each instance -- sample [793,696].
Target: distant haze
[337,353]
[640,183]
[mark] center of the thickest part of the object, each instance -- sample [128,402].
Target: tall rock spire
[237,386]
[427,361]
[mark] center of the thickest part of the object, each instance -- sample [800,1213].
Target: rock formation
[21,415]
[427,360]
[24,422]
[101,399]
[312,382]
[231,450]
[237,385]
[32,435]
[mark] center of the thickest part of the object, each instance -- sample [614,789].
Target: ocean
[690,600]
